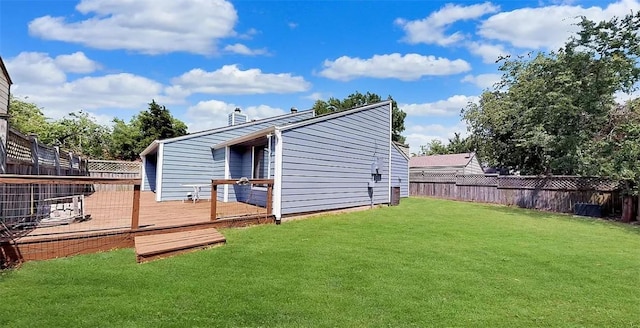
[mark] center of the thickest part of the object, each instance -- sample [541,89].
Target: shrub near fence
[553,193]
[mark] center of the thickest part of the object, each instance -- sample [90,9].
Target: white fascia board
[227,174]
[391,141]
[150,148]
[244,138]
[277,179]
[400,150]
[143,172]
[159,168]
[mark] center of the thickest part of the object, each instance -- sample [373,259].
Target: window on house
[259,163]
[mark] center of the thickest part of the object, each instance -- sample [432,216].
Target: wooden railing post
[135,212]
[269,198]
[214,200]
[35,161]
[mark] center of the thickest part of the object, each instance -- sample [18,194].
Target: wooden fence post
[135,212]
[214,200]
[35,161]
[57,160]
[269,198]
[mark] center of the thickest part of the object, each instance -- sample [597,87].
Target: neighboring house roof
[269,130]
[460,160]
[152,147]
[5,72]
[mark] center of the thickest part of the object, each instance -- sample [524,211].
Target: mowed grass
[424,263]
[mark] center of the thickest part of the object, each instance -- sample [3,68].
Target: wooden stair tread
[174,241]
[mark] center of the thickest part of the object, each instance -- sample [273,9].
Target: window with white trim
[259,165]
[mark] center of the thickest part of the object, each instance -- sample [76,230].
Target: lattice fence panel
[114,166]
[557,183]
[18,147]
[477,180]
[432,177]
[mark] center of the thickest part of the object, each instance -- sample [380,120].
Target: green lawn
[424,263]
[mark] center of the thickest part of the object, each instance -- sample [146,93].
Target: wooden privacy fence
[24,155]
[114,169]
[552,193]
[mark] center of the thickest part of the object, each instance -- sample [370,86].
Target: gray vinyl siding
[327,165]
[473,167]
[399,171]
[191,160]
[149,178]
[4,93]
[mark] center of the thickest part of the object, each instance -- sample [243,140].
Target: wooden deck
[168,244]
[109,225]
[111,212]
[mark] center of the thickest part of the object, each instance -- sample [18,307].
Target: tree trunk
[627,209]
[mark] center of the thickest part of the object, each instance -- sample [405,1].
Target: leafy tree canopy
[455,145]
[358,99]
[80,133]
[129,140]
[550,108]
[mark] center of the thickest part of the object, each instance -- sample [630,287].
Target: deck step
[167,244]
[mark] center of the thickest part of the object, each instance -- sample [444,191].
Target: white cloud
[292,25]
[483,81]
[241,49]
[488,52]
[231,80]
[76,62]
[42,79]
[407,67]
[547,27]
[40,68]
[145,26]
[419,135]
[35,67]
[431,30]
[315,96]
[451,106]
[214,114]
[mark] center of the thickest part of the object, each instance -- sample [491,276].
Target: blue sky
[203,58]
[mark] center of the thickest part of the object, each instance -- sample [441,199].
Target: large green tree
[548,108]
[615,151]
[80,133]
[129,140]
[28,118]
[358,99]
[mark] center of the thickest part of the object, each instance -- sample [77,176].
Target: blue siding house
[338,160]
[171,163]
